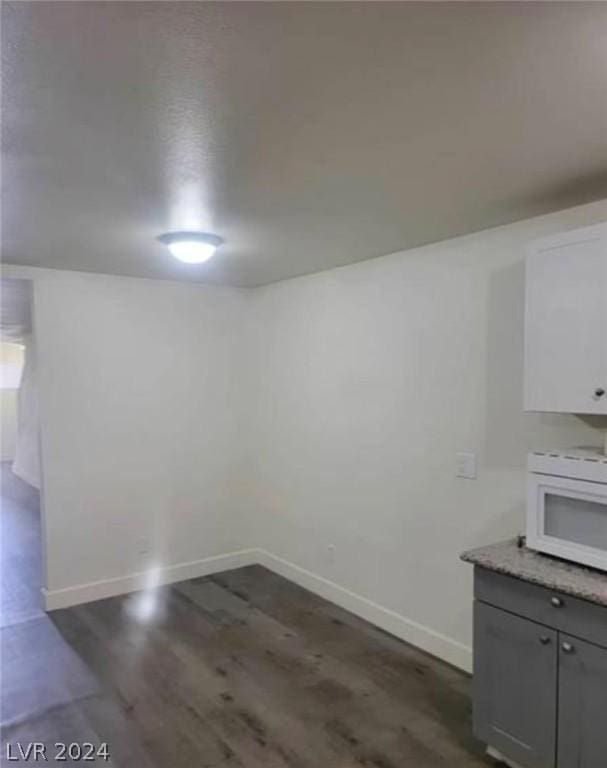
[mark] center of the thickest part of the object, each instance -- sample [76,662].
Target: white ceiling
[308,135]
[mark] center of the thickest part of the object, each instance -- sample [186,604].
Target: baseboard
[435,643]
[497,755]
[97,590]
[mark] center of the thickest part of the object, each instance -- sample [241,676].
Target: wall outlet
[331,553]
[466,465]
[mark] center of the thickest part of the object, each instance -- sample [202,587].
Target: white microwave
[567,505]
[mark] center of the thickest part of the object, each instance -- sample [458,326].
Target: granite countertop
[522,563]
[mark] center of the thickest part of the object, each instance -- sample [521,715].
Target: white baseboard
[435,643]
[97,590]
[497,755]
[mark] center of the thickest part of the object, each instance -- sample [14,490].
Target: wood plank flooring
[240,669]
[20,551]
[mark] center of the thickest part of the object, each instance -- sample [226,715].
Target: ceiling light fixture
[191,247]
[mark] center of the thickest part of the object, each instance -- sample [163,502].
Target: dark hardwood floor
[20,549]
[239,669]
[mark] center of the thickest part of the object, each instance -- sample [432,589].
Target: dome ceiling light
[191,247]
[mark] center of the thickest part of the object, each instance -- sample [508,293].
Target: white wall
[8,434]
[369,379]
[11,364]
[26,463]
[194,422]
[139,383]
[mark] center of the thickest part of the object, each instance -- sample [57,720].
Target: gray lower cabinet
[514,685]
[539,687]
[582,708]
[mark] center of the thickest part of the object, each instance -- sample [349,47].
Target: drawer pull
[556,602]
[544,639]
[567,648]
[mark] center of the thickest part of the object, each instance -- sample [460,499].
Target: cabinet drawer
[580,618]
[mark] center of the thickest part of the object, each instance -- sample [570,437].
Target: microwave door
[568,518]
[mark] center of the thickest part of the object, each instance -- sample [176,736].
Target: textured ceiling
[308,135]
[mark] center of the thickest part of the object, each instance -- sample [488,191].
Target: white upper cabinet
[566,322]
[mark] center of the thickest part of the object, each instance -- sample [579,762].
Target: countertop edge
[481,557]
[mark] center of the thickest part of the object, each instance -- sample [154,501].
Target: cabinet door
[566,323]
[582,721]
[515,686]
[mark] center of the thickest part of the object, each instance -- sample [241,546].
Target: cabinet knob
[544,639]
[567,647]
[556,602]
[599,392]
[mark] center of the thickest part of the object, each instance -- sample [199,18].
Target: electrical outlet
[331,553]
[466,465]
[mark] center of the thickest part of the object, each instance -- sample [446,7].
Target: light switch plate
[466,465]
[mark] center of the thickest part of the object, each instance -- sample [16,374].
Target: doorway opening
[21,569]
